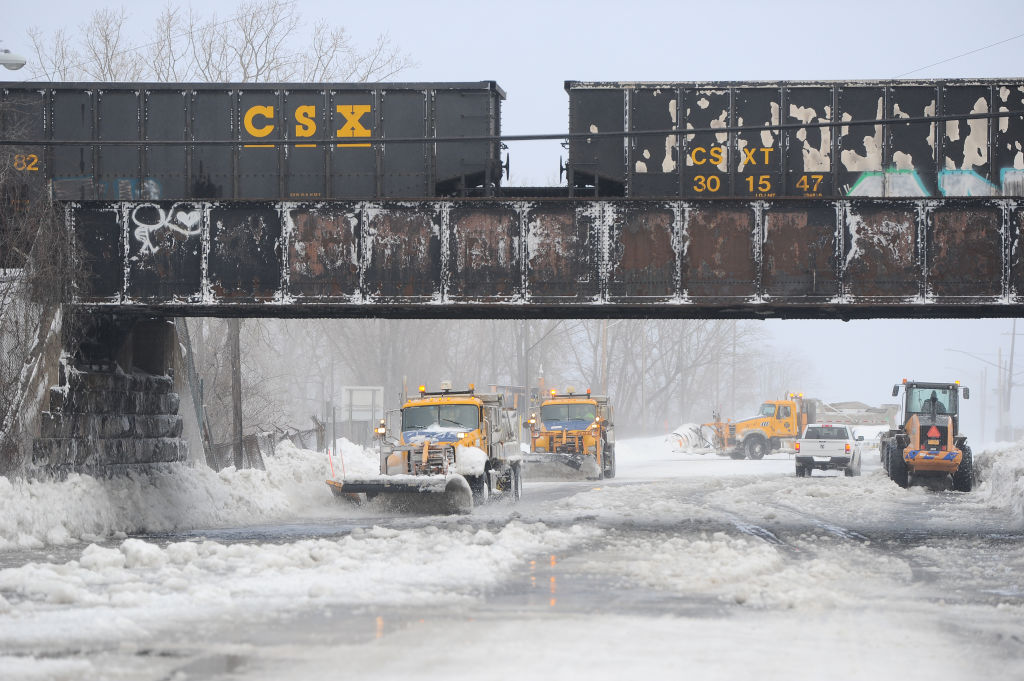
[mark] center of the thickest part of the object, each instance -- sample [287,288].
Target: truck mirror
[967,393]
[896,390]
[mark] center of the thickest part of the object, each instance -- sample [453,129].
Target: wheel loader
[929,447]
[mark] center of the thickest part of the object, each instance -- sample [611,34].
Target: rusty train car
[149,141]
[813,153]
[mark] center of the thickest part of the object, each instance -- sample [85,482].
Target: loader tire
[963,478]
[898,468]
[756,448]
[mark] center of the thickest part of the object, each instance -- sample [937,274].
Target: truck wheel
[481,490]
[963,478]
[756,448]
[898,468]
[609,460]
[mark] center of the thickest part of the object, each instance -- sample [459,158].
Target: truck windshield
[568,412]
[441,416]
[767,410]
[826,433]
[921,400]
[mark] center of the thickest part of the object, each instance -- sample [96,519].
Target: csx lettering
[748,155]
[352,114]
[305,126]
[258,120]
[700,155]
[249,120]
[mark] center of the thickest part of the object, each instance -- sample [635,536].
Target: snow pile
[166,498]
[351,461]
[1001,472]
[686,438]
[132,591]
[470,460]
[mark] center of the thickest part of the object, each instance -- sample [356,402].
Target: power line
[1000,42]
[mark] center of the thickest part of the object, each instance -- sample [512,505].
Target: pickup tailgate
[825,449]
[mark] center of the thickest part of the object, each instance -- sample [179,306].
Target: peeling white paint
[593,128]
[641,167]
[721,122]
[703,102]
[816,159]
[871,160]
[930,111]
[903,161]
[668,165]
[976,143]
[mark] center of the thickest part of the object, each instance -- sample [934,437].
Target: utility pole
[604,356]
[234,341]
[643,376]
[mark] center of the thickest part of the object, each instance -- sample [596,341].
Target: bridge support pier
[115,407]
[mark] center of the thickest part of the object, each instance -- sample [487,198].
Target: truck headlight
[461,435]
[539,449]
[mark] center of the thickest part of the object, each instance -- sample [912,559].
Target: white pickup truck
[828,446]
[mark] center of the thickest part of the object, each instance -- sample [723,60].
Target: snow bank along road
[683,565]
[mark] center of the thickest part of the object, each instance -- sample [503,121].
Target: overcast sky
[530,48]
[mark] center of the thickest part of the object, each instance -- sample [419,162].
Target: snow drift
[171,497]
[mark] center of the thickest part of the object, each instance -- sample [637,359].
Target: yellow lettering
[352,127]
[693,156]
[748,156]
[767,152]
[716,156]
[352,114]
[305,126]
[254,111]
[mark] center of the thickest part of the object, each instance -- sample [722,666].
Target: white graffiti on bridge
[184,222]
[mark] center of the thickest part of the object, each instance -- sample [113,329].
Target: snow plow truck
[458,446]
[780,422]
[776,421]
[572,436]
[929,446]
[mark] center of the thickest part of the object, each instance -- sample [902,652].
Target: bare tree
[258,42]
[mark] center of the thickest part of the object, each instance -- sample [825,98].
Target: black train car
[285,141]
[967,157]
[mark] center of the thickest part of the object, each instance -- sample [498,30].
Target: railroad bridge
[518,258]
[834,200]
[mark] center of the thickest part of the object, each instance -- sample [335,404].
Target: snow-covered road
[682,565]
